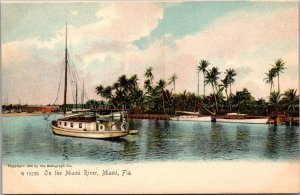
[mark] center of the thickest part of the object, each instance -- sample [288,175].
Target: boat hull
[88,134]
[246,121]
[208,119]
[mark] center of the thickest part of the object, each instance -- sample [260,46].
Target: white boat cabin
[92,123]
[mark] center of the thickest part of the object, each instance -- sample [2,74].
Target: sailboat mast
[83,94]
[82,97]
[76,98]
[66,72]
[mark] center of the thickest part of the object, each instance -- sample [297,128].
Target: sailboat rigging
[66,72]
[86,123]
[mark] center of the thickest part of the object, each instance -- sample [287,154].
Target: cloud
[121,21]
[249,41]
[241,39]
[97,49]
[33,78]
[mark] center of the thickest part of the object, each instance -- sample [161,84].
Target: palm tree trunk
[216,103]
[229,102]
[204,83]
[278,84]
[216,88]
[113,104]
[163,101]
[174,86]
[197,105]
[198,83]
[212,113]
[230,95]
[198,93]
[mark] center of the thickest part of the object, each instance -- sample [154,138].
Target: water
[29,139]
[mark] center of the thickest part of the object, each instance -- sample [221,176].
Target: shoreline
[25,114]
[203,118]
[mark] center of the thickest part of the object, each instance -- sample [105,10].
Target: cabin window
[71,124]
[80,125]
[65,123]
[59,123]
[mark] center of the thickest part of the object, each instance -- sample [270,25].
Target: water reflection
[219,141]
[199,141]
[242,138]
[291,137]
[156,140]
[67,148]
[272,142]
[215,138]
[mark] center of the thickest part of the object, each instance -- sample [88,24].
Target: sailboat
[86,123]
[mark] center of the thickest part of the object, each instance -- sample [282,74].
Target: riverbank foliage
[154,98]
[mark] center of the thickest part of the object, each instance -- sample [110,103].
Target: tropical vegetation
[161,97]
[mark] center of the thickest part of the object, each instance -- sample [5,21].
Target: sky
[108,39]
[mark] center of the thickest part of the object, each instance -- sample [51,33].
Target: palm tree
[244,101]
[134,95]
[147,85]
[148,74]
[230,73]
[92,104]
[275,99]
[160,88]
[260,107]
[169,101]
[99,90]
[172,79]
[182,100]
[133,80]
[279,67]
[290,99]
[225,84]
[269,78]
[107,92]
[202,67]
[212,77]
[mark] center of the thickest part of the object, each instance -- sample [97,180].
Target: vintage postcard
[150,97]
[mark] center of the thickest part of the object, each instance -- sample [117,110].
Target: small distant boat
[133,132]
[242,118]
[249,121]
[117,115]
[88,123]
[254,120]
[79,110]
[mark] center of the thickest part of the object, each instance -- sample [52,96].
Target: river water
[29,139]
